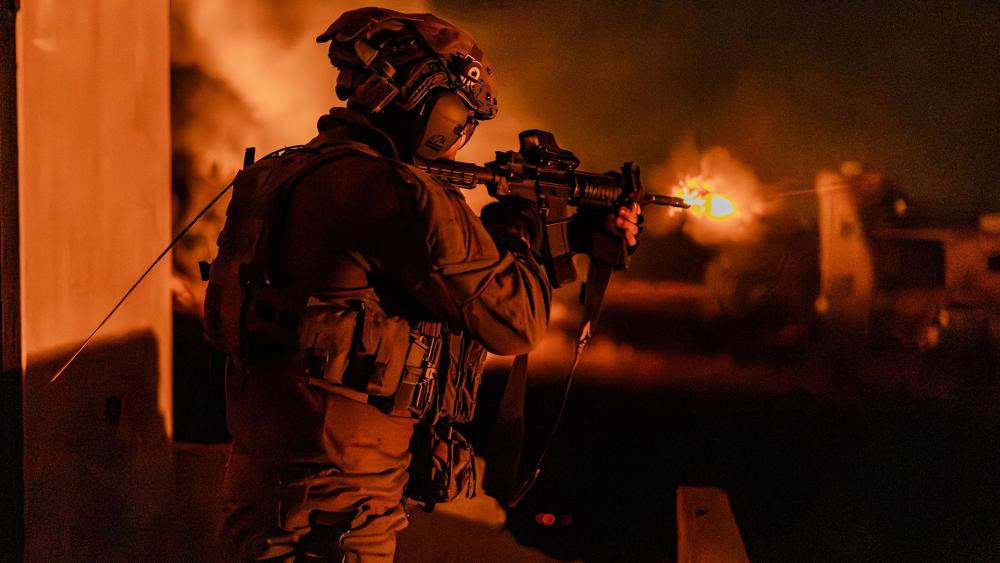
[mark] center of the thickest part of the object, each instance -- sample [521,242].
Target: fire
[720,207]
[692,196]
[704,200]
[726,198]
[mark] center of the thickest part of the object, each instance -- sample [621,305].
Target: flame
[692,196]
[720,207]
[704,200]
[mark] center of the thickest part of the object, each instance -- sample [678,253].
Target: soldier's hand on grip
[626,223]
[513,222]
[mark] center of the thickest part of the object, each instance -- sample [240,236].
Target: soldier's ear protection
[446,123]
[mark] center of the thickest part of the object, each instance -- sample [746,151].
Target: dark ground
[878,455]
[855,477]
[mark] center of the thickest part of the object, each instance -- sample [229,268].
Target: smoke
[250,73]
[246,73]
[788,89]
[266,54]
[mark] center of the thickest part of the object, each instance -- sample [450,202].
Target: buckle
[316,360]
[423,394]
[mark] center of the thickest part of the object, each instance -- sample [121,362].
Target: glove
[514,224]
[624,223]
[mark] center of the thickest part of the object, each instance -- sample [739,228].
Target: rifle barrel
[670,201]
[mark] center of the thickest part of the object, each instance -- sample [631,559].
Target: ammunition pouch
[461,378]
[443,466]
[419,383]
[420,371]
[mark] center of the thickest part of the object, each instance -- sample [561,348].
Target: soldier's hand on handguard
[627,223]
[514,224]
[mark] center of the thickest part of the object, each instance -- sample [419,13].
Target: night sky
[908,88]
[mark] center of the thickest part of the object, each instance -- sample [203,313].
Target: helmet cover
[386,57]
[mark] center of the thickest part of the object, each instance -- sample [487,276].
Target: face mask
[447,124]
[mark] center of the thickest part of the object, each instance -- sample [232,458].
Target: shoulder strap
[514,467]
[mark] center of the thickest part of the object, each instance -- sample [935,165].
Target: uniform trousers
[343,505]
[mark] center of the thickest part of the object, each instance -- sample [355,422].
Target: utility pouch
[357,346]
[226,291]
[443,465]
[379,353]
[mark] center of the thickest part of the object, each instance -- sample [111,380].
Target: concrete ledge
[706,528]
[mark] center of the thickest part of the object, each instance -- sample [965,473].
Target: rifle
[546,174]
[572,205]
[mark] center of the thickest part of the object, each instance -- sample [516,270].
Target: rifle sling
[507,441]
[504,478]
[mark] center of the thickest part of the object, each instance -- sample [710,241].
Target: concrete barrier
[706,528]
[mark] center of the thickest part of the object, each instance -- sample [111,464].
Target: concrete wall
[11,375]
[95,209]
[95,168]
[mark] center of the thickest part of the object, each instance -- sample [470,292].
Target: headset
[446,123]
[450,92]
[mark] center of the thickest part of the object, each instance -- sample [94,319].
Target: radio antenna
[139,281]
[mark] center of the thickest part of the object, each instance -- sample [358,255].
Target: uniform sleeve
[428,242]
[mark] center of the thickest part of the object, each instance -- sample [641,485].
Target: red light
[565,520]
[545,518]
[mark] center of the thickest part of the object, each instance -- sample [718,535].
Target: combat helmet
[407,61]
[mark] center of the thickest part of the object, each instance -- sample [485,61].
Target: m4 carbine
[573,206]
[572,203]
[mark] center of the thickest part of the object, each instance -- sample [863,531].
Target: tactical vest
[259,194]
[335,342]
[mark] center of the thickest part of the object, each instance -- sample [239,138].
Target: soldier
[358,296]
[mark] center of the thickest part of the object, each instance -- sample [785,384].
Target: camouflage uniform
[374,241]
